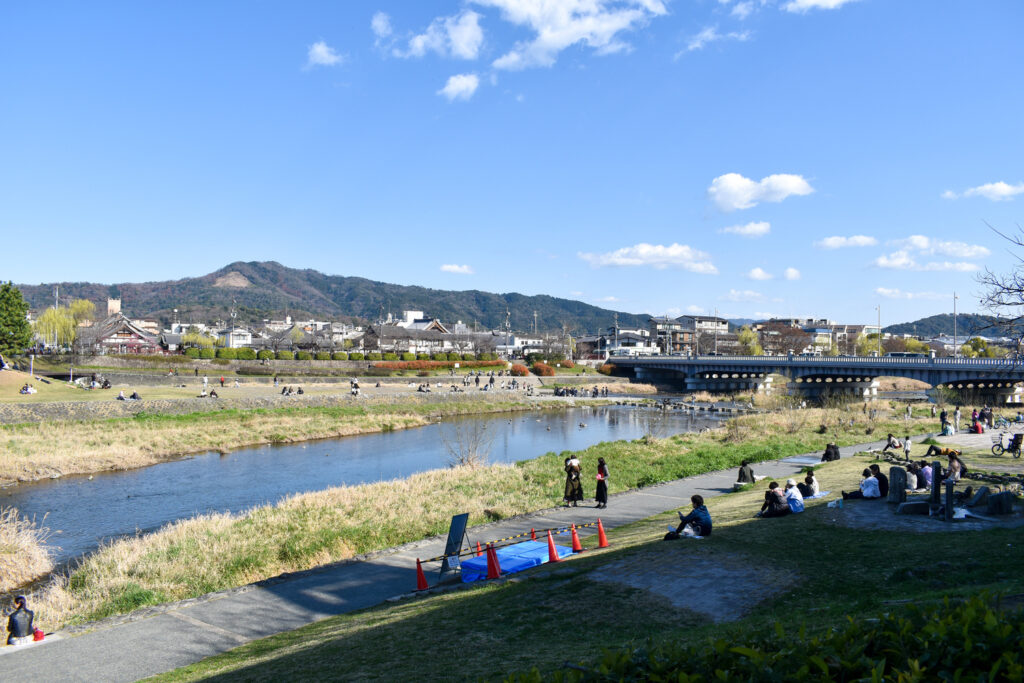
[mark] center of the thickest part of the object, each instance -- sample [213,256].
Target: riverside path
[164,638]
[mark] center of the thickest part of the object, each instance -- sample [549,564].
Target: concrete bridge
[993,379]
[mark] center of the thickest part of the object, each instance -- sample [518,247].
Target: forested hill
[966,324]
[263,289]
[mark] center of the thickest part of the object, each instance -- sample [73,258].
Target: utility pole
[616,331]
[716,331]
[508,332]
[879,309]
[56,305]
[956,347]
[535,323]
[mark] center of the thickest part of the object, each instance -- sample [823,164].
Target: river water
[82,512]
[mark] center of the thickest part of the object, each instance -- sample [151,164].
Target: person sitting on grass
[893,443]
[135,396]
[699,519]
[213,393]
[746,473]
[809,488]
[868,488]
[924,475]
[883,481]
[19,624]
[775,504]
[954,469]
[831,453]
[943,450]
[794,498]
[120,396]
[912,474]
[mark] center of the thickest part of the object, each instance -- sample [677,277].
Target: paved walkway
[149,643]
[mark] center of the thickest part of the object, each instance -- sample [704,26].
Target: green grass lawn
[820,573]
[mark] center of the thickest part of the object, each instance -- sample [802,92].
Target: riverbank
[35,451]
[213,552]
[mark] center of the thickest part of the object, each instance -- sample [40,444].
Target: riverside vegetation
[212,552]
[839,602]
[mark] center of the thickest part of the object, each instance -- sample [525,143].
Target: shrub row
[437,364]
[519,370]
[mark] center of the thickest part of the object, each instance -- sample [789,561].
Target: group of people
[577,392]
[27,389]
[134,397]
[574,483]
[789,500]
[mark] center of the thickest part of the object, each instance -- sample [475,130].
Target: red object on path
[493,567]
[602,540]
[478,551]
[577,547]
[421,580]
[533,534]
[552,553]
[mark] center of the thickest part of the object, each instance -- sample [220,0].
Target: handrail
[888,361]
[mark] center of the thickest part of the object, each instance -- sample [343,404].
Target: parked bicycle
[1013,447]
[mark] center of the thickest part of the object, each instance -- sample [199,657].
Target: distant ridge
[967,324]
[264,289]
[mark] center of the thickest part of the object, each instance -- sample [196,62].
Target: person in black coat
[19,624]
[883,481]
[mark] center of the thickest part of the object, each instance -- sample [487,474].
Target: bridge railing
[835,361]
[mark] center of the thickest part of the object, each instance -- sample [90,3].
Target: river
[82,511]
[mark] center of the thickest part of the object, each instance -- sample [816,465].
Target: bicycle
[1013,447]
[1001,422]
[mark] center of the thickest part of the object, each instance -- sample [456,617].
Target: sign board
[456,366]
[456,539]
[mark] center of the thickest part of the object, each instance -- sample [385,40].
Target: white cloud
[381,25]
[792,274]
[710,34]
[900,294]
[743,295]
[801,6]
[949,194]
[997,192]
[733,191]
[837,242]
[458,270]
[608,299]
[759,274]
[455,36]
[563,23]
[321,54]
[903,260]
[742,10]
[897,259]
[929,245]
[460,87]
[749,230]
[657,256]
[693,308]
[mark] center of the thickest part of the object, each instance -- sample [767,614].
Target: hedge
[265,354]
[568,364]
[230,354]
[543,369]
[519,370]
[390,356]
[192,352]
[435,364]
[373,355]
[285,355]
[245,354]
[606,369]
[323,355]
[966,641]
[355,355]
[207,353]
[422,356]
[468,356]
[439,356]
[303,355]
[408,356]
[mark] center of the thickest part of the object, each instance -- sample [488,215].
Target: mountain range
[260,290]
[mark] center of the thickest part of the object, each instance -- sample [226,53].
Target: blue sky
[758,157]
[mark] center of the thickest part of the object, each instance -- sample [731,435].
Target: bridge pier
[817,388]
[988,393]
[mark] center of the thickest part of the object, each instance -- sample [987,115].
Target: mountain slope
[258,290]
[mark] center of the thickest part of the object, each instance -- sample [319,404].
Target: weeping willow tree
[60,325]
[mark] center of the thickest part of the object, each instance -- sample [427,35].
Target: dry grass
[23,555]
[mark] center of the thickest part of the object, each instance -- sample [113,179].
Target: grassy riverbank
[196,556]
[737,587]
[43,450]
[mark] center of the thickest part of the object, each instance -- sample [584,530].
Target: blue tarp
[512,558]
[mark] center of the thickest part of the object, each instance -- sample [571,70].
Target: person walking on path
[573,483]
[602,484]
[956,419]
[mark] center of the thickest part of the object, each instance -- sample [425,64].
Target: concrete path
[155,641]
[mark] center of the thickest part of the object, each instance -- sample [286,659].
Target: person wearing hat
[793,496]
[19,624]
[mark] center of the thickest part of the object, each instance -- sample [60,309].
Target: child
[906,447]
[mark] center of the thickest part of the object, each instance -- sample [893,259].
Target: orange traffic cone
[577,547]
[552,553]
[602,540]
[479,552]
[533,534]
[493,567]
[421,580]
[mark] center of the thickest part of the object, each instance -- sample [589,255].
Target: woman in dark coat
[602,484]
[573,484]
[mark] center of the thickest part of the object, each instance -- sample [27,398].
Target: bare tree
[467,441]
[1004,292]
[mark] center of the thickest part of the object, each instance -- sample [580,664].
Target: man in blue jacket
[699,518]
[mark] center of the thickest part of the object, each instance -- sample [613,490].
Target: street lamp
[879,309]
[956,347]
